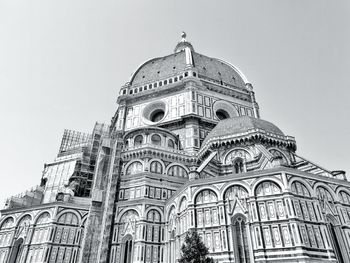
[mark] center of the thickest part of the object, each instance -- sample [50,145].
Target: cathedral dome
[184,58]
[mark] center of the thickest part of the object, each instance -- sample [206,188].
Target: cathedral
[186,149]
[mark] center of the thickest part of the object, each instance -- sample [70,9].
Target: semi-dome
[245,128]
[185,57]
[242,124]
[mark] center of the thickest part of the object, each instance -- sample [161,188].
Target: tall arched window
[238,166]
[183,204]
[21,232]
[134,168]
[41,230]
[156,139]
[241,240]
[182,221]
[128,247]
[156,167]
[23,225]
[68,232]
[153,228]
[16,251]
[206,217]
[127,225]
[6,231]
[138,140]
[41,235]
[177,170]
[336,239]
[172,235]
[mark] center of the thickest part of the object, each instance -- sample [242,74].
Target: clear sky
[62,63]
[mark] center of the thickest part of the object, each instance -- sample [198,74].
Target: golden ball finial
[183,35]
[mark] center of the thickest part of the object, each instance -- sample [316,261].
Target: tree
[194,250]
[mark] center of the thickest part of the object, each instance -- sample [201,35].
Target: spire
[183,43]
[183,36]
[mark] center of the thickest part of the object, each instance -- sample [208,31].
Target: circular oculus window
[154,112]
[224,110]
[222,114]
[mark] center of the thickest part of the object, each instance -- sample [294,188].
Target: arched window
[183,204]
[171,144]
[236,191]
[177,170]
[324,194]
[156,167]
[171,218]
[344,197]
[153,216]
[128,247]
[134,168]
[206,196]
[182,219]
[5,235]
[300,189]
[237,154]
[16,251]
[128,216]
[126,225]
[8,223]
[172,234]
[138,140]
[44,218]
[238,166]
[278,155]
[267,188]
[24,223]
[68,219]
[156,139]
[41,230]
[241,240]
[67,233]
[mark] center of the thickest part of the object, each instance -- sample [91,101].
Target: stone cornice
[44,206]
[150,150]
[255,174]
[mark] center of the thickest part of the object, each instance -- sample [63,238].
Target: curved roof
[175,64]
[159,68]
[241,124]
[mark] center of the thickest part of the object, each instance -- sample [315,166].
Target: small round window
[222,114]
[154,112]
